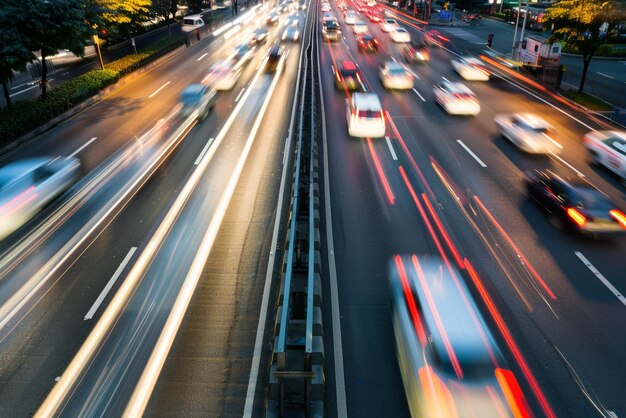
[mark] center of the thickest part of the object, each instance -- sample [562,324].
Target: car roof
[366,101]
[531,120]
[20,168]
[455,316]
[348,65]
[392,65]
[401,30]
[194,89]
[457,88]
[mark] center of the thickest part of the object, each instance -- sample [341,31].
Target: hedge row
[27,115]
[604,50]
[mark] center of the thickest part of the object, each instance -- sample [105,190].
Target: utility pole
[523,27]
[519,10]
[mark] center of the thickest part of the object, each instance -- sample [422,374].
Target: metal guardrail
[297,373]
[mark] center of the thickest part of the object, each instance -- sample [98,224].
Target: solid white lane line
[607,76]
[204,150]
[470,152]
[603,279]
[202,56]
[391,150]
[159,89]
[419,95]
[239,95]
[445,79]
[580,174]
[85,145]
[110,284]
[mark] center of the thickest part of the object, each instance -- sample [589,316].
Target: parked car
[575,205]
[27,186]
[529,132]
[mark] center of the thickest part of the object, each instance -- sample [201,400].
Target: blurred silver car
[27,186]
[529,132]
[450,363]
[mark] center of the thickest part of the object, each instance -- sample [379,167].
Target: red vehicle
[374,18]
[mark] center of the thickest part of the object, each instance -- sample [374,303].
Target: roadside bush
[27,115]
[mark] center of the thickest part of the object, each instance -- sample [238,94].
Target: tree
[165,9]
[577,23]
[49,26]
[14,50]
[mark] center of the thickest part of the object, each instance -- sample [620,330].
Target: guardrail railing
[297,372]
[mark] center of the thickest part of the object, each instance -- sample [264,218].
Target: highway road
[44,329]
[557,310]
[107,272]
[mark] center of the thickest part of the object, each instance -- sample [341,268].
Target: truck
[536,52]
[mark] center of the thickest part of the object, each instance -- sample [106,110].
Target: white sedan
[27,186]
[396,76]
[470,69]
[400,35]
[351,18]
[361,27]
[456,98]
[389,25]
[608,148]
[528,132]
[325,7]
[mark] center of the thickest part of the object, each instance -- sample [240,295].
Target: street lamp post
[519,10]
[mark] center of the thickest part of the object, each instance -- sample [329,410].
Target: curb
[569,54]
[125,80]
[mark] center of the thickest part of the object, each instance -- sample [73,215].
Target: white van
[191,23]
[365,116]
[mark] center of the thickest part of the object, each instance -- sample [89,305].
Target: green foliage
[578,22]
[27,115]
[589,101]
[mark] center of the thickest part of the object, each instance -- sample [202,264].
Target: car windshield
[584,197]
[368,114]
[398,72]
[348,73]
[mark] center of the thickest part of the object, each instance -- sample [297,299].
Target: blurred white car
[608,148]
[470,69]
[351,18]
[528,132]
[395,76]
[27,186]
[325,7]
[361,27]
[365,116]
[456,98]
[389,25]
[223,76]
[400,35]
[450,363]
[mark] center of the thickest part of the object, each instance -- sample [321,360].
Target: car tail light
[577,217]
[513,393]
[619,217]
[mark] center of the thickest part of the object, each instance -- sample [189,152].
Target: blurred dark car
[347,77]
[273,58]
[417,52]
[575,205]
[27,186]
[367,42]
[291,34]
[449,361]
